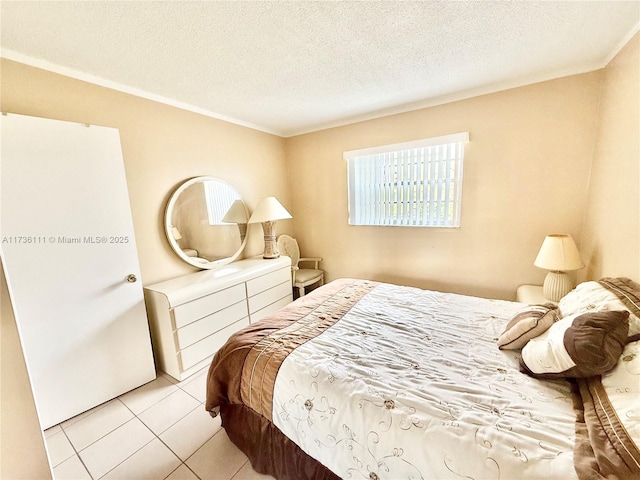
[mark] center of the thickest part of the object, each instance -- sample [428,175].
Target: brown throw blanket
[242,377]
[257,351]
[603,447]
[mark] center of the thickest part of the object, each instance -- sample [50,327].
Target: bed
[361,379]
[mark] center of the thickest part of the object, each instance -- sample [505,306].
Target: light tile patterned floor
[158,431]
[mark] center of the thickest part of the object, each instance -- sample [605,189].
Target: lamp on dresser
[237,214]
[267,211]
[560,255]
[176,233]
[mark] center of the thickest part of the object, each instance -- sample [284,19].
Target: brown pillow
[528,324]
[580,346]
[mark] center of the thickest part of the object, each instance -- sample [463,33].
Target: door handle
[131,278]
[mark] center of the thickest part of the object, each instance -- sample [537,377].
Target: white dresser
[192,316]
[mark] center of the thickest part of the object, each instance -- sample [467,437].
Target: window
[219,198]
[407,184]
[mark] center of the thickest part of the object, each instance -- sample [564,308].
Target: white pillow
[591,296]
[580,345]
[546,353]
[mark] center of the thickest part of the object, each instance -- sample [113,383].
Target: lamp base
[556,285]
[270,245]
[242,227]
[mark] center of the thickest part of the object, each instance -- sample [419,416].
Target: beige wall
[162,146]
[525,175]
[611,241]
[22,449]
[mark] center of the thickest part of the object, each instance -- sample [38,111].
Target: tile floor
[158,431]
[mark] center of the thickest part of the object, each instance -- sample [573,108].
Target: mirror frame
[174,243]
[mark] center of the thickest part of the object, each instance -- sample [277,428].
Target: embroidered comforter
[369,380]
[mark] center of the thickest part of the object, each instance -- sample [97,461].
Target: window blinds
[410,184]
[219,198]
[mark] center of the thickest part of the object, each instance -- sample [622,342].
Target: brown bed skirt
[270,452]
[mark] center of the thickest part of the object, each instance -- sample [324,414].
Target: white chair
[302,277]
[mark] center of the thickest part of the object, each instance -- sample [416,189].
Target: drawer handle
[131,278]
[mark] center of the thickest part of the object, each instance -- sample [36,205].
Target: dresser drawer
[268,297]
[264,282]
[205,347]
[192,316]
[269,309]
[190,312]
[204,327]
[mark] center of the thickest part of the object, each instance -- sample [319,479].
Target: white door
[67,237]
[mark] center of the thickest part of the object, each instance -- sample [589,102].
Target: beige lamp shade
[558,254]
[237,213]
[176,233]
[267,211]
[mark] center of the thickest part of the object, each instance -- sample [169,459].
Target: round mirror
[206,222]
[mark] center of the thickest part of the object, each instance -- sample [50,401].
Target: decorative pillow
[605,295]
[528,324]
[580,345]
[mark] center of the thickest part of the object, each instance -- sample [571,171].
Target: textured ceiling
[293,67]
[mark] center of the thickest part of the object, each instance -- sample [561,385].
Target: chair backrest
[289,246]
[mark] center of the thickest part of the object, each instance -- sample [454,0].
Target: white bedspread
[411,384]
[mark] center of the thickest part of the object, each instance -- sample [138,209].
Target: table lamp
[558,254]
[237,214]
[176,233]
[267,211]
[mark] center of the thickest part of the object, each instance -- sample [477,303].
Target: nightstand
[532,294]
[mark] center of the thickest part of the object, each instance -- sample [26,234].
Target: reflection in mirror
[206,222]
